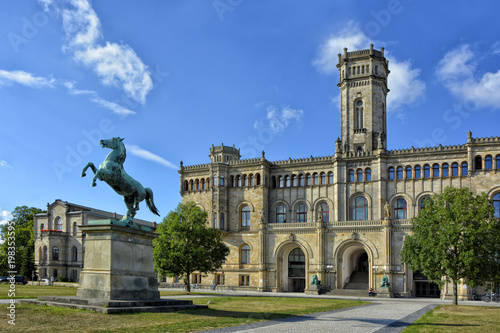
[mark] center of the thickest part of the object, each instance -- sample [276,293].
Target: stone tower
[363,91]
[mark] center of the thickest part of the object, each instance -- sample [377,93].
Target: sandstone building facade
[59,243]
[341,217]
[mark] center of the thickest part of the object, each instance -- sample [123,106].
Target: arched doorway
[296,270]
[354,272]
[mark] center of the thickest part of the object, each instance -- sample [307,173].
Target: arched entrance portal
[355,268]
[296,271]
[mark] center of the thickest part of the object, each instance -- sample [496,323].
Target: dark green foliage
[455,237]
[23,220]
[187,245]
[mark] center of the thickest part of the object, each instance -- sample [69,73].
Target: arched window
[400,172]
[301,180]
[330,177]
[59,224]
[351,176]
[233,181]
[446,170]
[488,162]
[358,120]
[245,254]
[221,180]
[258,179]
[368,174]
[478,163]
[215,180]
[287,181]
[496,205]
[301,213]
[391,173]
[315,177]
[207,183]
[197,184]
[238,180]
[326,212]
[273,182]
[359,175]
[252,180]
[323,178]
[294,180]
[281,214]
[74,254]
[424,201]
[417,171]
[221,221]
[44,253]
[55,253]
[454,169]
[42,227]
[308,180]
[427,171]
[191,185]
[245,216]
[281,182]
[186,185]
[497,162]
[245,180]
[215,220]
[408,172]
[465,169]
[400,209]
[435,170]
[360,209]
[75,229]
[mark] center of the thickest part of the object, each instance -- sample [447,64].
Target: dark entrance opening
[297,270]
[425,288]
[362,265]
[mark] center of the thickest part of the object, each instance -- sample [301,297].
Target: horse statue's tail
[150,203]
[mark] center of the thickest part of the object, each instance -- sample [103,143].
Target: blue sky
[175,77]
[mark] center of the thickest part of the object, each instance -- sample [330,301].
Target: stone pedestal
[384,292]
[118,262]
[313,289]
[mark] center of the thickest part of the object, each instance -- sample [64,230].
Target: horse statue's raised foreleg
[94,169]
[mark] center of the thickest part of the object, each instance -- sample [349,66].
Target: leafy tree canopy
[455,237]
[22,223]
[187,245]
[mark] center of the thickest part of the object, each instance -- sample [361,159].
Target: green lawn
[29,291]
[222,312]
[462,318]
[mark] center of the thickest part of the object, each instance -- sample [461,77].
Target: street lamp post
[329,269]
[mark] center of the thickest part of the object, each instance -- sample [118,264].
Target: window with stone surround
[215,180]
[400,172]
[497,162]
[59,224]
[308,179]
[427,171]
[488,162]
[244,280]
[351,176]
[245,216]
[221,224]
[360,209]
[245,254]
[445,170]
[221,180]
[74,254]
[391,173]
[478,163]
[359,175]
[368,174]
[330,177]
[294,181]
[55,253]
[496,205]
[435,170]
[315,178]
[281,214]
[301,213]
[454,169]
[301,180]
[326,212]
[215,220]
[417,171]
[323,178]
[287,181]
[465,169]
[400,209]
[408,172]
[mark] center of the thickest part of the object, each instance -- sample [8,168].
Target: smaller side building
[59,243]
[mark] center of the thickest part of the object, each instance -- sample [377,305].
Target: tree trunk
[188,282]
[455,293]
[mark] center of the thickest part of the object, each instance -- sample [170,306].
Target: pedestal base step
[116,306]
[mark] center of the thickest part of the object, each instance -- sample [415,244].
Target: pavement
[383,315]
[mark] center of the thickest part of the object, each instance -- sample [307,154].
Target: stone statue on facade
[320,213]
[385,282]
[315,281]
[387,210]
[262,216]
[111,171]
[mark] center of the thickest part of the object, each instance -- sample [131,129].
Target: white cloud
[75,91]
[25,79]
[279,120]
[116,65]
[5,217]
[116,108]
[4,164]
[458,72]
[496,48]
[138,151]
[405,87]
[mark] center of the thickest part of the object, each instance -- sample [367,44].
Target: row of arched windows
[55,253]
[488,162]
[59,226]
[219,180]
[360,175]
[244,180]
[417,172]
[302,180]
[301,213]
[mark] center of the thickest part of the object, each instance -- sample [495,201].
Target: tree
[455,237]
[187,245]
[22,224]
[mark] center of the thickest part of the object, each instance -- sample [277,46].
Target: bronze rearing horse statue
[111,171]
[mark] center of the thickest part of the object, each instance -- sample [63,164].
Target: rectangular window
[55,273]
[244,280]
